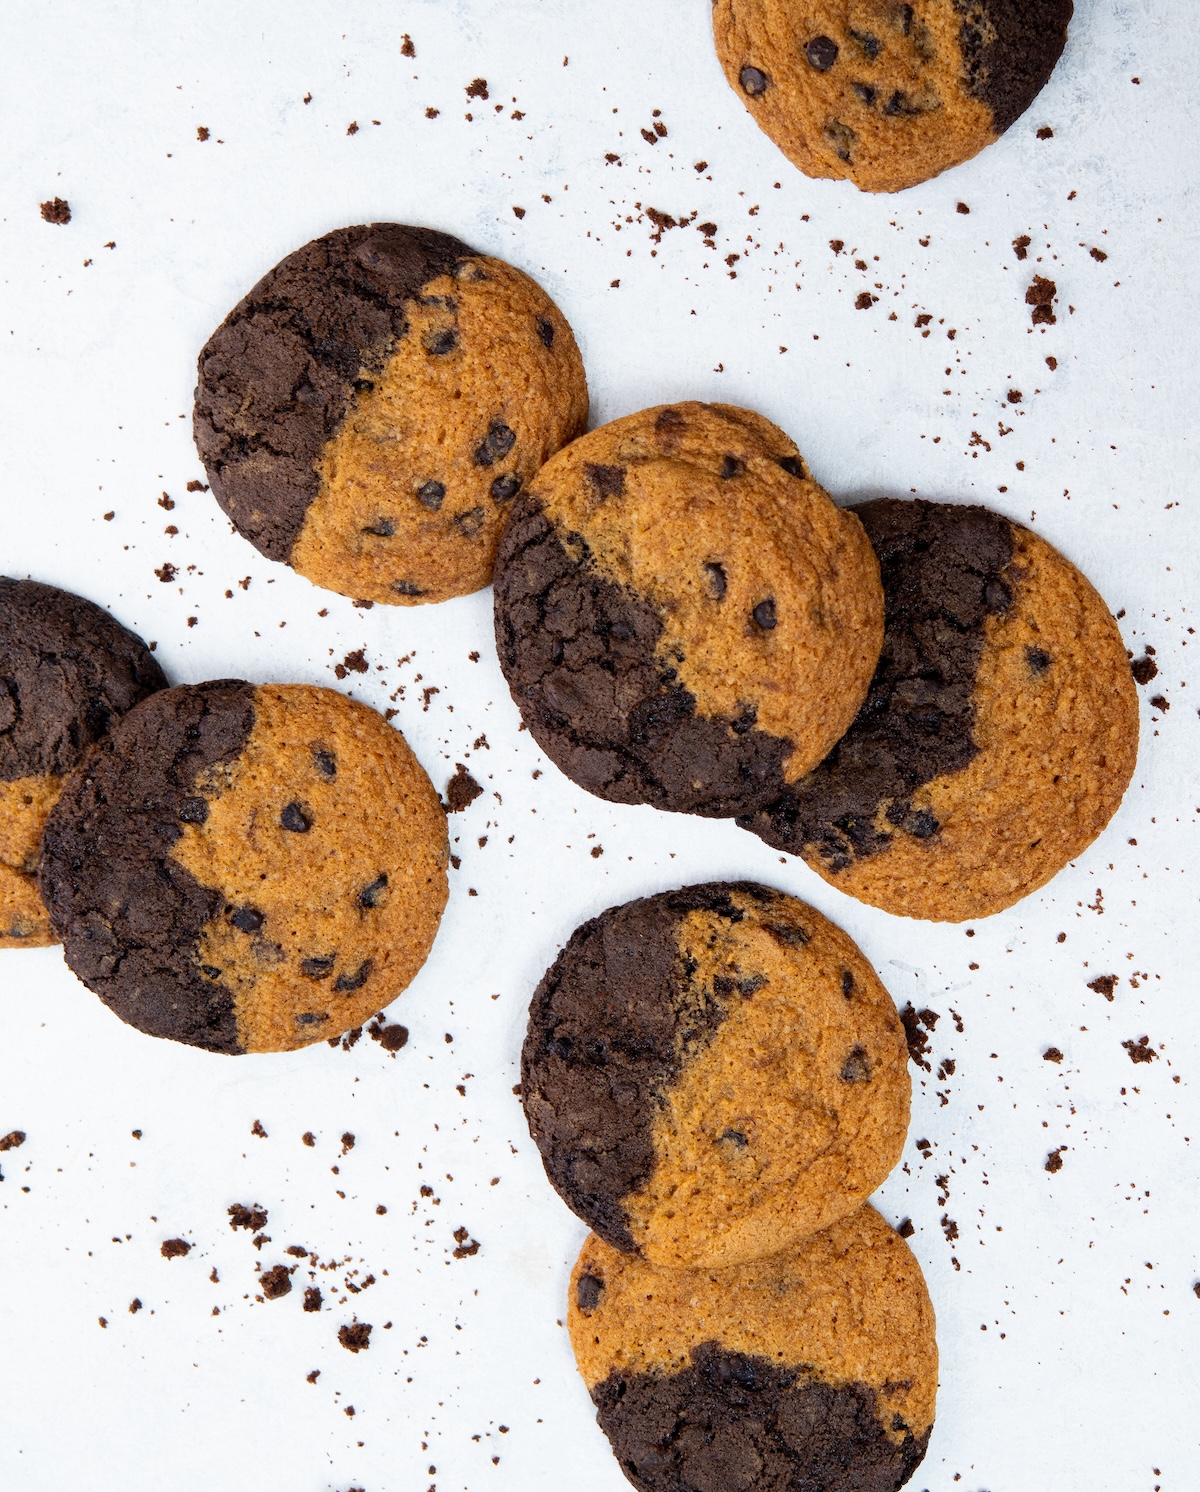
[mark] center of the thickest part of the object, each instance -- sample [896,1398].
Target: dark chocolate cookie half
[247,868]
[683,616]
[812,1371]
[886,93]
[714,1073]
[370,409]
[68,671]
[999,734]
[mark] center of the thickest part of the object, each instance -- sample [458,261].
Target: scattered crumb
[355,1337]
[57,210]
[175,1248]
[461,790]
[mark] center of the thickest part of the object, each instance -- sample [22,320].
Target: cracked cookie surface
[369,411]
[68,670]
[999,734]
[812,1371]
[881,92]
[247,868]
[714,1073]
[683,616]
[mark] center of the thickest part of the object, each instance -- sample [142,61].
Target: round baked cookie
[68,670]
[247,868]
[368,412]
[683,616]
[999,735]
[886,94]
[812,1371]
[714,1073]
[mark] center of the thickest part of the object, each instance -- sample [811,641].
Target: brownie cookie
[247,868]
[886,94]
[812,1371]
[713,1074]
[999,735]
[67,672]
[682,615]
[369,411]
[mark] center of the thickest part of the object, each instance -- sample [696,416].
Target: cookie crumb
[56,210]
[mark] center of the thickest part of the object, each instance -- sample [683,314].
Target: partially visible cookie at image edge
[999,734]
[883,93]
[68,671]
[371,408]
[247,868]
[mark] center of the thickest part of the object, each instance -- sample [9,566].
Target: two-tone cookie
[247,868]
[882,93]
[369,411]
[999,735]
[714,1073]
[812,1371]
[683,616]
[68,671]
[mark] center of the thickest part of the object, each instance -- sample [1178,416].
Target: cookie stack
[717,1080]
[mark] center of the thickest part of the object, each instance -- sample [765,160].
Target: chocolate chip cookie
[882,93]
[247,868]
[68,670]
[999,735]
[712,1074]
[683,616]
[812,1371]
[369,411]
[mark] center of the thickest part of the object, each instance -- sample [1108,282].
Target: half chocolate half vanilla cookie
[369,411]
[247,868]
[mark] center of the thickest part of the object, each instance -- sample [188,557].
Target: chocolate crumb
[1140,1050]
[461,790]
[57,210]
[464,1250]
[1040,296]
[905,1228]
[1054,1161]
[1104,985]
[355,1337]
[276,1282]
[12,1140]
[313,1299]
[1052,1054]
[1159,702]
[257,1129]
[254,1218]
[308,1138]
[1045,133]
[175,1248]
[1144,668]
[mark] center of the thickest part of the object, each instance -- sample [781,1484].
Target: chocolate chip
[792,465]
[764,614]
[856,1068]
[588,1292]
[717,583]
[295,818]
[545,331]
[318,968]
[247,919]
[193,810]
[407,588]
[997,596]
[498,442]
[356,980]
[865,93]
[609,481]
[745,720]
[310,1018]
[382,528]
[868,43]
[732,467]
[753,81]
[372,895]
[847,983]
[900,103]
[905,19]
[841,137]
[788,934]
[733,1137]
[430,494]
[822,53]
[1038,660]
[921,824]
[438,344]
[326,763]
[469,523]
[506,487]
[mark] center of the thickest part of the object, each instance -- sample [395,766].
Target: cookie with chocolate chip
[999,734]
[883,93]
[68,671]
[812,1371]
[713,1074]
[683,616]
[369,411]
[247,868]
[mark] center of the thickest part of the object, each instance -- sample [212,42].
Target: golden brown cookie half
[247,868]
[68,670]
[882,93]
[683,616]
[812,1371]
[714,1073]
[999,735]
[371,408]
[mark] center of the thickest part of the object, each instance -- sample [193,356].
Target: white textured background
[1069,1328]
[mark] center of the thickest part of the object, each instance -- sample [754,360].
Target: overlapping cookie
[247,868]
[999,735]
[683,616]
[368,412]
[68,671]
[714,1073]
[883,93]
[812,1371]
